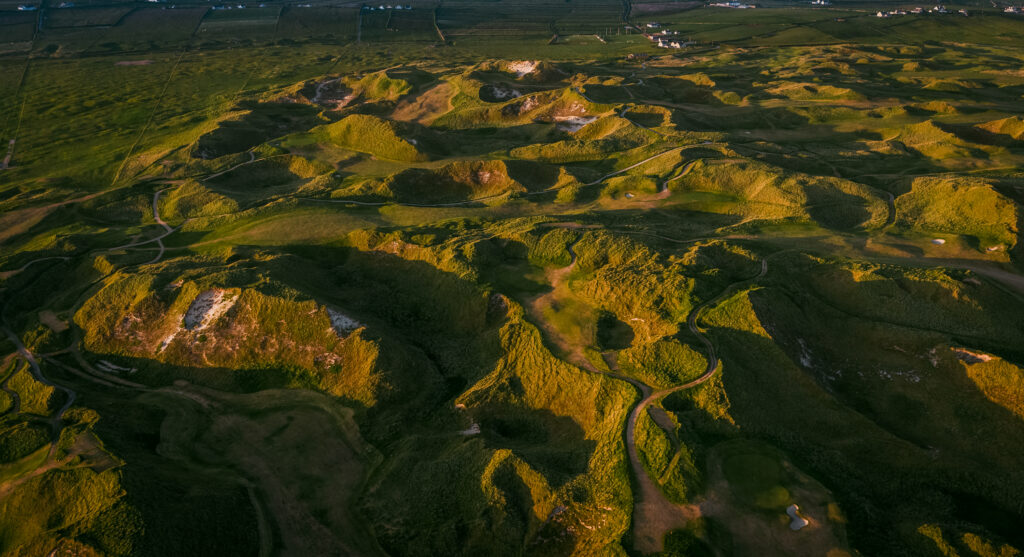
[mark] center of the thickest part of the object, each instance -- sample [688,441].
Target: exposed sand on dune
[522,67]
[341,323]
[573,123]
[208,307]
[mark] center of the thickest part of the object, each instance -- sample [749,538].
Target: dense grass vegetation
[328,280]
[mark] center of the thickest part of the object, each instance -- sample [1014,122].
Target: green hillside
[511,279]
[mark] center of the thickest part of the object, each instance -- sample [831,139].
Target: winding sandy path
[37,373]
[654,515]
[15,397]
[252,159]
[11,273]
[168,230]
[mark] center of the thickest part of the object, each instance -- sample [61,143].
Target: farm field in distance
[509,278]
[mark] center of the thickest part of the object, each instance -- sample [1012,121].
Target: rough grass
[369,134]
[966,206]
[849,368]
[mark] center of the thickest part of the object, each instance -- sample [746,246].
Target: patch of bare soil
[427,107]
[654,516]
[133,63]
[50,319]
[332,94]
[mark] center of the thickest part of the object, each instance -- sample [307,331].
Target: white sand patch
[473,430]
[341,323]
[167,341]
[502,93]
[796,521]
[529,104]
[207,308]
[938,241]
[522,67]
[573,123]
[805,354]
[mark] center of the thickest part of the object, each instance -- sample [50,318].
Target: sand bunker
[796,521]
[207,308]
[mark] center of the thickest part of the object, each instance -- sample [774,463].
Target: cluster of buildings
[388,7]
[939,9]
[664,38]
[732,4]
[365,7]
[669,44]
